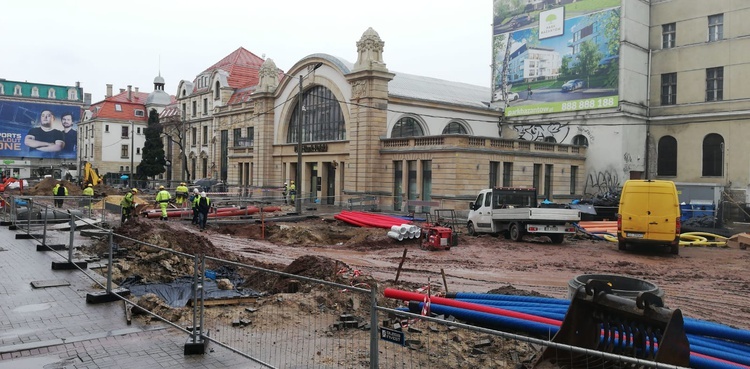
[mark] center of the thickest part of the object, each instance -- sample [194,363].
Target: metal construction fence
[273,318]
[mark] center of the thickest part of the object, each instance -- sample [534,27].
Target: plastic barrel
[621,285]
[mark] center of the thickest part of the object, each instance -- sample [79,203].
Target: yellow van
[649,214]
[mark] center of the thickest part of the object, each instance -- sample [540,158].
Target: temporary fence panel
[270,322]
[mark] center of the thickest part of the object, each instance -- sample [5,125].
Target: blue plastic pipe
[692,326]
[716,359]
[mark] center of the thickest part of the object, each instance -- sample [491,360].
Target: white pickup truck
[514,213]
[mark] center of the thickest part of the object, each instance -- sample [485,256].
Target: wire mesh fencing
[286,320]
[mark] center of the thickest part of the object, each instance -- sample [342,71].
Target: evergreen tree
[152,156]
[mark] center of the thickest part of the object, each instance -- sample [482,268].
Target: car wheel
[557,238]
[515,232]
[470,229]
[621,245]
[675,249]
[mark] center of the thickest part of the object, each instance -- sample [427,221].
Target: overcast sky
[99,42]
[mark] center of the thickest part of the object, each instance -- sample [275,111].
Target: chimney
[109,90]
[130,93]
[122,90]
[78,84]
[136,89]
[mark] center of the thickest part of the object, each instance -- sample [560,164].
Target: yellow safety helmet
[90,185]
[183,184]
[135,190]
[161,187]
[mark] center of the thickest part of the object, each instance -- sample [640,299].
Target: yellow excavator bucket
[89,175]
[599,321]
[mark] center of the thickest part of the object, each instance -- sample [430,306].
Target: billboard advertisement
[552,56]
[31,130]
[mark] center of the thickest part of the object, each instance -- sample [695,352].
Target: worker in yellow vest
[59,191]
[89,193]
[292,192]
[162,198]
[181,194]
[127,204]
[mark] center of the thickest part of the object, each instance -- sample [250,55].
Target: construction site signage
[555,56]
[32,130]
[392,335]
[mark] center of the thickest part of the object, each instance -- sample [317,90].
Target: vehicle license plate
[633,235]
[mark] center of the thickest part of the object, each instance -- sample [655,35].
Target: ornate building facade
[365,130]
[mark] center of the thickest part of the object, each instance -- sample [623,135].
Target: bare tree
[175,131]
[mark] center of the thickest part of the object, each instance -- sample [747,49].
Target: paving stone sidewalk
[54,327]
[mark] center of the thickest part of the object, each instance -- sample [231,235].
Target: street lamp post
[298,187]
[132,153]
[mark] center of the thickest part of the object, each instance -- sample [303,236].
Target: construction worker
[126,204]
[89,193]
[284,191]
[162,198]
[203,204]
[89,190]
[59,191]
[181,194]
[193,201]
[292,192]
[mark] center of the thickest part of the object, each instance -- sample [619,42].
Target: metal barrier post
[28,215]
[109,294]
[44,230]
[13,213]
[70,264]
[195,344]
[202,308]
[195,299]
[72,237]
[374,362]
[109,262]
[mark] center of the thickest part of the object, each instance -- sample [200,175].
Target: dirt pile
[158,264]
[44,188]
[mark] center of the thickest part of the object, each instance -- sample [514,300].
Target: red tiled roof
[170,111]
[241,95]
[106,108]
[242,66]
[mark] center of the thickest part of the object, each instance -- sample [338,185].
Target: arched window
[666,162]
[17,90]
[217,91]
[72,94]
[455,128]
[580,140]
[184,93]
[407,127]
[35,91]
[322,119]
[713,155]
[550,139]
[51,93]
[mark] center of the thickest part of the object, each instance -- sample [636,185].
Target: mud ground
[706,283]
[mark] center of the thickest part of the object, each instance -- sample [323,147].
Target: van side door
[481,215]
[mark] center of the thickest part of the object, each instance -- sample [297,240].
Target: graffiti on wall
[538,132]
[602,182]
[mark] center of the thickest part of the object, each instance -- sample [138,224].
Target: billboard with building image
[33,130]
[553,56]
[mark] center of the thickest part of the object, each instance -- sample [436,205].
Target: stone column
[264,173]
[365,172]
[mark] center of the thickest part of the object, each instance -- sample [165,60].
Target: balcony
[462,142]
